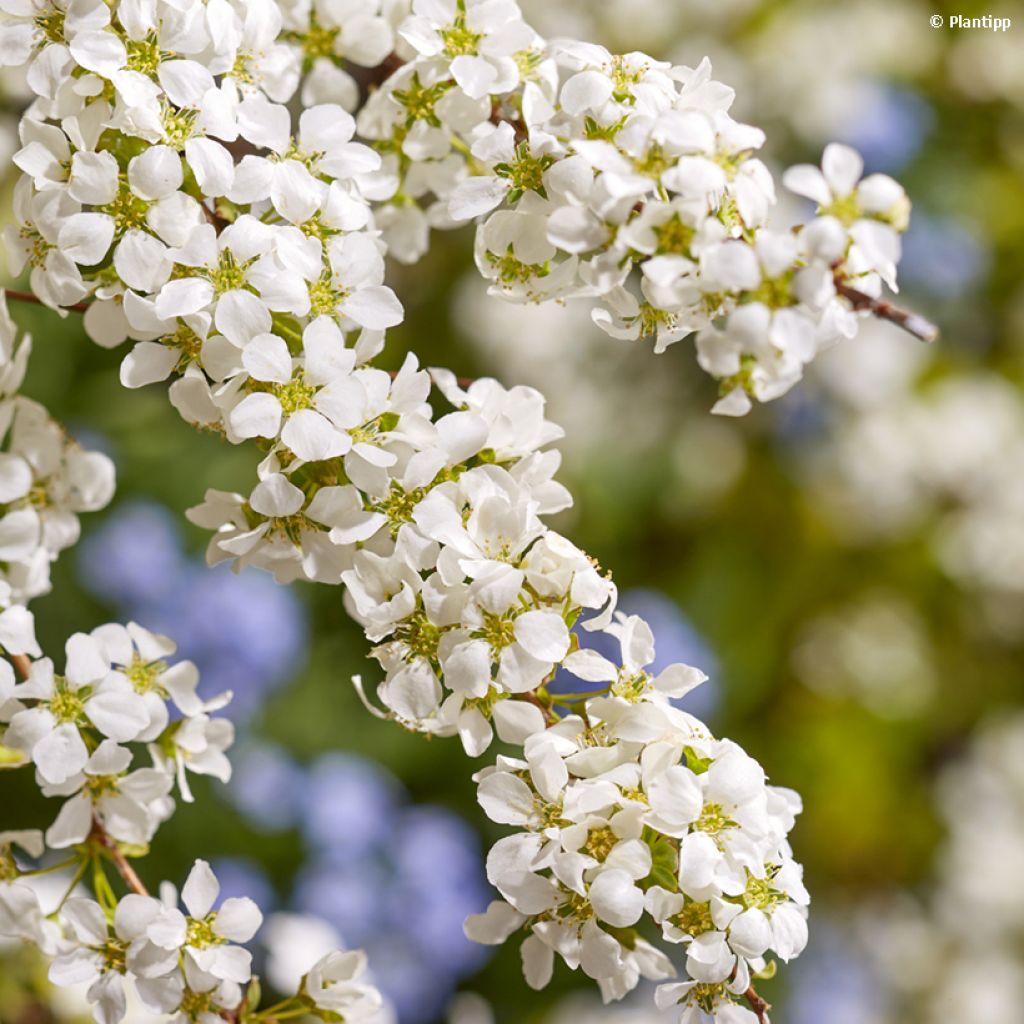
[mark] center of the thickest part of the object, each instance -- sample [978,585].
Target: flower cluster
[76,730]
[633,811]
[117,689]
[622,179]
[167,188]
[46,480]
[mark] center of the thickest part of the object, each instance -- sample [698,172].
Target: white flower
[208,938]
[129,805]
[333,984]
[479,37]
[630,680]
[874,210]
[49,731]
[101,956]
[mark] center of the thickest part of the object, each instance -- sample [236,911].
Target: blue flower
[889,125]
[349,806]
[266,786]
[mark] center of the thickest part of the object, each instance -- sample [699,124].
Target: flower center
[420,100]
[145,675]
[51,25]
[420,635]
[145,55]
[66,706]
[459,40]
[513,271]
[229,274]
[498,631]
[600,842]
[128,210]
[179,125]
[324,297]
[296,394]
[713,820]
[200,933]
[525,172]
[318,40]
[630,688]
[674,236]
[100,785]
[695,919]
[114,954]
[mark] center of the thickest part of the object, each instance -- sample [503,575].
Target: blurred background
[847,564]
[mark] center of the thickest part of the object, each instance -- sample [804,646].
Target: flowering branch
[245,259]
[757,1004]
[77,307]
[912,323]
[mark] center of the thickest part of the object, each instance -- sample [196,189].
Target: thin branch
[912,323]
[498,115]
[214,218]
[78,307]
[369,79]
[22,663]
[124,869]
[757,1004]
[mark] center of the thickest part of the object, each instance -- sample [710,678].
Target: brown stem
[214,218]
[124,869]
[498,115]
[370,79]
[78,307]
[757,1004]
[912,323]
[22,663]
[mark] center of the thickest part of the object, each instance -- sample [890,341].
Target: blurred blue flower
[432,846]
[239,876]
[388,876]
[942,255]
[134,557]
[414,987]
[889,127]
[266,786]
[833,983]
[438,884]
[346,896]
[245,633]
[348,806]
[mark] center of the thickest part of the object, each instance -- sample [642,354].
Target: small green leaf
[253,994]
[664,862]
[767,972]
[698,765]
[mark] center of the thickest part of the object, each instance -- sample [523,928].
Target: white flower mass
[166,185]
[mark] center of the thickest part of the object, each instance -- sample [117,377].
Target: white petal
[200,890]
[544,635]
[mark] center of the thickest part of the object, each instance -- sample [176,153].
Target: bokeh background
[847,563]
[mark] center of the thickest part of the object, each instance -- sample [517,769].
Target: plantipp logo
[959,21]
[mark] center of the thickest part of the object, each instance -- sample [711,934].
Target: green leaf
[253,994]
[664,862]
[697,765]
[767,972]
